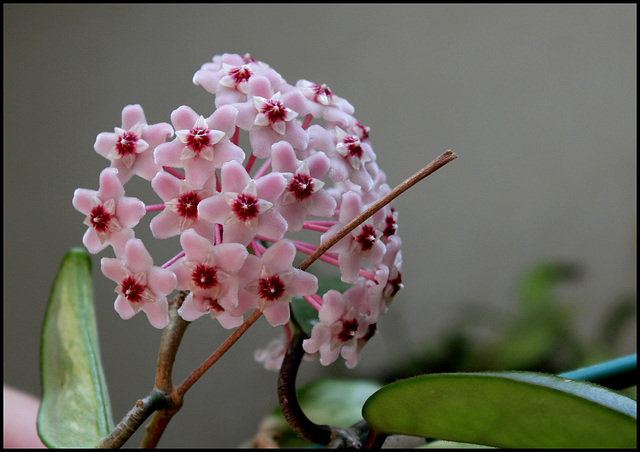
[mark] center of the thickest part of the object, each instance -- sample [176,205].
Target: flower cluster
[309,165]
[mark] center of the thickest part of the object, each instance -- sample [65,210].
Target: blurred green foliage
[538,335]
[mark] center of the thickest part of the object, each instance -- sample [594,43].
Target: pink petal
[129,211]
[168,154]
[166,186]
[124,308]
[184,117]
[234,177]
[214,209]
[161,281]
[271,186]
[224,119]
[131,115]
[277,313]
[272,224]
[138,258]
[225,151]
[110,185]
[190,310]
[165,224]
[279,256]
[302,283]
[157,312]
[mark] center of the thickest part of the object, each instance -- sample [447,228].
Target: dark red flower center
[367,237]
[364,133]
[274,110]
[198,138]
[213,304]
[390,226]
[353,146]
[126,143]
[100,218]
[205,277]
[349,328]
[245,207]
[132,290]
[395,284]
[301,186]
[371,331]
[320,90]
[270,288]
[240,74]
[188,205]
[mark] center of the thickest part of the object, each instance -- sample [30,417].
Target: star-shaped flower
[202,145]
[181,207]
[246,206]
[209,273]
[321,102]
[130,148]
[304,194]
[110,215]
[350,157]
[342,327]
[278,282]
[361,244]
[141,285]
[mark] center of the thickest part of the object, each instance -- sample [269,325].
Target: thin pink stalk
[173,259]
[257,248]
[250,163]
[322,222]
[314,227]
[236,136]
[263,169]
[313,301]
[173,172]
[307,121]
[154,207]
[218,234]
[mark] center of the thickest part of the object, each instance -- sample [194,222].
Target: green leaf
[75,409]
[505,409]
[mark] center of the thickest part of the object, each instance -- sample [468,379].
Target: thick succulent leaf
[505,409]
[75,409]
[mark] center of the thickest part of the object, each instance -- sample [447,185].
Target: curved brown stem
[301,424]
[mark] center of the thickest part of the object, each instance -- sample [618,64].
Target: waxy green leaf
[75,409]
[505,409]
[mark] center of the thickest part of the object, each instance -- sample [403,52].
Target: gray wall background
[538,102]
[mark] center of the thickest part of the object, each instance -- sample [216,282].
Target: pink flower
[246,206]
[131,147]
[322,102]
[141,285]
[350,157]
[269,119]
[304,194]
[210,273]
[362,243]
[109,214]
[202,145]
[342,327]
[272,355]
[181,207]
[277,282]
[228,75]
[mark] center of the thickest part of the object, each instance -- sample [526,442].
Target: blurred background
[537,101]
